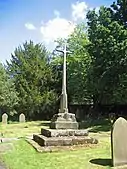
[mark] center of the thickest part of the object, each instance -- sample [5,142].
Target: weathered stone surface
[84,140]
[81,132]
[44,149]
[63,132]
[64,117]
[119,142]
[64,121]
[64,125]
[22,118]
[4,118]
[4,140]
[63,141]
[52,141]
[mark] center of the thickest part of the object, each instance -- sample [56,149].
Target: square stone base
[63,132]
[64,125]
[63,141]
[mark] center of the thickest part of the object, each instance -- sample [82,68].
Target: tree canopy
[33,78]
[8,94]
[108,41]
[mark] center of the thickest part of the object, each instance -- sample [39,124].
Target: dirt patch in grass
[6,147]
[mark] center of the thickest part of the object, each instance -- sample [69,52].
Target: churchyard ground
[23,155]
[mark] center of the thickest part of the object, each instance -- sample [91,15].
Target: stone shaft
[63,99]
[64,119]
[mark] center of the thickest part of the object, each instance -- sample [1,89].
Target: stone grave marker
[119,142]
[22,118]
[4,118]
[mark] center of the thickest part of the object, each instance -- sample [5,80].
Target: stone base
[64,121]
[49,149]
[63,141]
[62,133]
[63,125]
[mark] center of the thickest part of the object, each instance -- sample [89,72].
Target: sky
[41,21]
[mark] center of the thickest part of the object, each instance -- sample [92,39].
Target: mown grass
[22,129]
[24,156]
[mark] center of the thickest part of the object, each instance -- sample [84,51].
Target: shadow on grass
[44,124]
[102,161]
[96,129]
[40,123]
[96,125]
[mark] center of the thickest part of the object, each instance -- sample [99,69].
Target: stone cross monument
[63,129]
[64,119]
[63,99]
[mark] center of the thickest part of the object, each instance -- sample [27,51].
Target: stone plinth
[63,125]
[62,133]
[64,121]
[63,141]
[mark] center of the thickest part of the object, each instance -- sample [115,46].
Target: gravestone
[4,118]
[112,117]
[119,142]
[22,118]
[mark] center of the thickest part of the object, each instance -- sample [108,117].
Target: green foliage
[33,78]
[78,65]
[108,40]
[8,95]
[78,62]
[119,11]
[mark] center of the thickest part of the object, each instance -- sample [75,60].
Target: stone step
[63,132]
[63,141]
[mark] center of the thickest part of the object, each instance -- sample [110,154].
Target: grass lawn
[22,129]
[24,156]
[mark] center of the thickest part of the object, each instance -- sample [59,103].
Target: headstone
[22,118]
[112,117]
[119,142]
[4,118]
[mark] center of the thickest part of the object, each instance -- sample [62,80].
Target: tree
[119,12]
[8,94]
[78,63]
[108,40]
[33,78]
